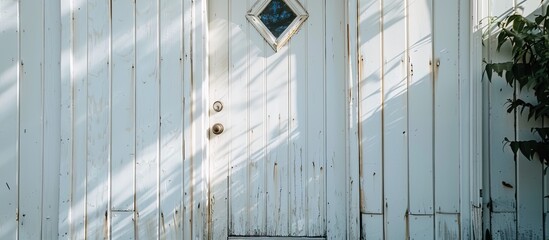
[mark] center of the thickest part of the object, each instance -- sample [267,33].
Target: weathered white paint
[29,135]
[31,125]
[271,165]
[515,201]
[9,117]
[127,158]
[131,105]
[417,110]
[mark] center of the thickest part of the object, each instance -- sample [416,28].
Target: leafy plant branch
[528,70]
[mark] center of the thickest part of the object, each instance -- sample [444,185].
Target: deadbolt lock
[217,128]
[217,106]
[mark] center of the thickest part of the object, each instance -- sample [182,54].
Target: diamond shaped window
[277,20]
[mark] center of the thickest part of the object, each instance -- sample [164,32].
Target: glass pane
[277,16]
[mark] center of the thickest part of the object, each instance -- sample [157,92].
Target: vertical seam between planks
[43,119]
[249,160]
[265,147]
[158,115]
[433,117]
[18,144]
[288,138]
[488,128]
[227,90]
[382,73]
[306,120]
[192,146]
[109,126]
[325,116]
[515,155]
[461,129]
[182,122]
[407,62]
[359,62]
[87,129]
[72,118]
[134,158]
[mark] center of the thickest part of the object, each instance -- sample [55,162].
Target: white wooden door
[278,168]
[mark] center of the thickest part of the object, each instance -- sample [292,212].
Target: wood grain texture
[171,115]
[98,116]
[9,65]
[371,102]
[31,122]
[316,135]
[80,119]
[123,108]
[275,118]
[147,119]
[52,118]
[336,117]
[446,101]
[66,115]
[420,107]
[395,125]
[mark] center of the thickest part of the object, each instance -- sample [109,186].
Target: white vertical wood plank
[468,121]
[447,226]
[277,124]
[420,107]
[370,73]
[299,116]
[258,49]
[52,121]
[66,156]
[529,173]
[395,108]
[219,73]
[123,106]
[446,100]
[187,133]
[470,64]
[147,119]
[316,121]
[337,162]
[372,226]
[476,130]
[238,122]
[98,154]
[529,199]
[483,12]
[80,119]
[502,164]
[31,112]
[422,227]
[200,83]
[352,122]
[9,37]
[171,115]
[123,120]
[529,177]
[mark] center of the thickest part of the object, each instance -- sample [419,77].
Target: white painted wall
[103,110]
[129,167]
[419,118]
[514,189]
[29,118]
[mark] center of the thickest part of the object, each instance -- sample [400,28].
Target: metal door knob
[217,128]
